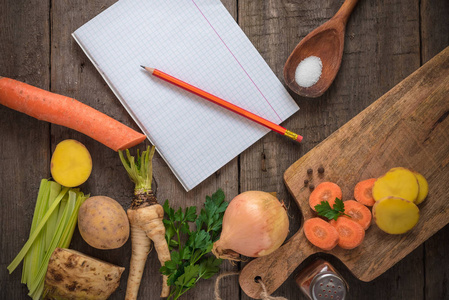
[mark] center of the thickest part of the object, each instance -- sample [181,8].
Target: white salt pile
[308,71]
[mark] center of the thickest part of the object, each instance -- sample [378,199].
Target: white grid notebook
[199,42]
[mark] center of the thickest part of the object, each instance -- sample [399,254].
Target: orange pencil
[223,103]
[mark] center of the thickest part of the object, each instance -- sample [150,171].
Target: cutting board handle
[275,268]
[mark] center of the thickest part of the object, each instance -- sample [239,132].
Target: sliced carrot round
[350,233]
[320,233]
[363,192]
[325,191]
[358,213]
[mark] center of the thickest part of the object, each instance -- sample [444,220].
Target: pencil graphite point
[148,69]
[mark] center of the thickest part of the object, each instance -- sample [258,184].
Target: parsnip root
[145,217]
[149,220]
[141,247]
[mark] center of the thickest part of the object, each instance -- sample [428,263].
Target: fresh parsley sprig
[190,258]
[324,209]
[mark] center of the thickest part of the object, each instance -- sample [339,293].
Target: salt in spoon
[325,42]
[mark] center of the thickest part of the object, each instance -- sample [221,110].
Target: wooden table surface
[385,42]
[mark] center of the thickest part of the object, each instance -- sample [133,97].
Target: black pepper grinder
[320,281]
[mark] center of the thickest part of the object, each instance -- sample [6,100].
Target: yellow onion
[254,224]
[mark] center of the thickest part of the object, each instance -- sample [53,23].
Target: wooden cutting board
[407,127]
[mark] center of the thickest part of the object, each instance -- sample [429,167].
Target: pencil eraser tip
[299,138]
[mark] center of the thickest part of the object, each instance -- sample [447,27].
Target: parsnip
[145,215]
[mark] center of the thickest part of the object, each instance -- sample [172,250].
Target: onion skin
[254,224]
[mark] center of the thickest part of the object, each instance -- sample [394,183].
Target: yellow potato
[103,223]
[423,188]
[71,163]
[397,182]
[395,215]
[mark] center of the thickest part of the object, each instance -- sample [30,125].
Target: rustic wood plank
[262,165]
[370,67]
[405,127]
[227,179]
[24,158]
[378,54]
[74,75]
[434,38]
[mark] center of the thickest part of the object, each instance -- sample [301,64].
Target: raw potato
[103,223]
[395,215]
[398,182]
[71,163]
[423,188]
[74,275]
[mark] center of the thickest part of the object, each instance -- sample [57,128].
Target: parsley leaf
[190,258]
[324,209]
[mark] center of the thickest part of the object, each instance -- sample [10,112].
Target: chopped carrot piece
[325,191]
[358,213]
[350,233]
[363,192]
[320,233]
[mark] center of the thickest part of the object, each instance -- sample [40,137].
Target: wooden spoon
[325,42]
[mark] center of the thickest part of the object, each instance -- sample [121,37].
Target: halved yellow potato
[71,163]
[395,215]
[397,182]
[423,188]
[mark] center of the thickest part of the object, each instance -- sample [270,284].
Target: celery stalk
[54,221]
[62,238]
[13,265]
[70,228]
[55,188]
[62,207]
[40,202]
[38,281]
[39,247]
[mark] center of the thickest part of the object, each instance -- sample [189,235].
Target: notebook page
[198,42]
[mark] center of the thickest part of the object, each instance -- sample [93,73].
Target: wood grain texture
[24,151]
[408,126]
[369,69]
[435,37]
[385,42]
[75,75]
[325,42]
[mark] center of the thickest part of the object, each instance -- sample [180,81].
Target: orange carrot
[320,233]
[358,213]
[68,112]
[363,192]
[325,191]
[350,233]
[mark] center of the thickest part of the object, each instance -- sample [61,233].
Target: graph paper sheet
[198,42]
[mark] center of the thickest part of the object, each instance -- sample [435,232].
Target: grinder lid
[327,286]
